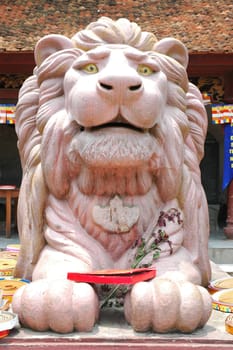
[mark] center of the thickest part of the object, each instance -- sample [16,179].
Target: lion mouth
[119,122]
[117,125]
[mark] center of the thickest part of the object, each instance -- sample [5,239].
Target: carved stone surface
[111,135]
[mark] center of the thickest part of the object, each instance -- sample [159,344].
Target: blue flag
[228,155]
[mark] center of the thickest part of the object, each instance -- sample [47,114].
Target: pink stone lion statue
[111,134]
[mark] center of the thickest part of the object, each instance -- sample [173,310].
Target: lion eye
[90,68]
[144,70]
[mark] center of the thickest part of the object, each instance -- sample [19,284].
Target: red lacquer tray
[129,276]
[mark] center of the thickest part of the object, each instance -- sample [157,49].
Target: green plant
[146,246]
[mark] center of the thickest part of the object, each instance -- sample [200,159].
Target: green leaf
[156,255]
[153,246]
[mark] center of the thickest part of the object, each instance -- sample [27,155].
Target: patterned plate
[223,300]
[220,284]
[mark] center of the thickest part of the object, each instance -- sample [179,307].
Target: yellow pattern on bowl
[9,287]
[7,267]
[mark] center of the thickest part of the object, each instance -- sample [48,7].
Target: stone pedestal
[114,333]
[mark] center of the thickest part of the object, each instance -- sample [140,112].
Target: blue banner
[228,155]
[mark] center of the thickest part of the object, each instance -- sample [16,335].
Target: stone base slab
[113,332]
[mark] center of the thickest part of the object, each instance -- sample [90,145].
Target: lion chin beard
[129,188]
[114,161]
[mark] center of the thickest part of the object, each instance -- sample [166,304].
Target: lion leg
[60,305]
[178,266]
[53,264]
[51,301]
[164,305]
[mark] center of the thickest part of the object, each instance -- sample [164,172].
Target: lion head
[110,131]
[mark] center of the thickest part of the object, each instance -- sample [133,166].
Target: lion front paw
[164,305]
[59,305]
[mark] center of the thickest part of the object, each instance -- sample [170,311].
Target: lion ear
[50,44]
[173,48]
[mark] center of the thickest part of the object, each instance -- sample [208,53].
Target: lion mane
[45,132]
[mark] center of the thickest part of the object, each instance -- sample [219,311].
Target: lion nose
[120,86]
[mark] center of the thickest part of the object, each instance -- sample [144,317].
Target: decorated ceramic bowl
[220,284]
[229,324]
[9,287]
[8,320]
[13,247]
[7,267]
[223,300]
[5,254]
